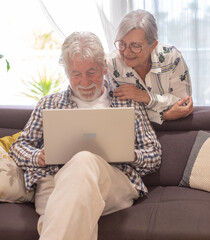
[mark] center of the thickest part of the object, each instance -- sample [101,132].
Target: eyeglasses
[134,46]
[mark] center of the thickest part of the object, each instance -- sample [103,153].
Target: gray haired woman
[145,71]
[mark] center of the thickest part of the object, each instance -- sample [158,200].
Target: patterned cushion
[197,171]
[7,141]
[12,185]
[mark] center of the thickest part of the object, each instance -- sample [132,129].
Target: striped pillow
[197,171]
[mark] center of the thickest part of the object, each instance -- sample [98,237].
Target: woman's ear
[155,43]
[105,67]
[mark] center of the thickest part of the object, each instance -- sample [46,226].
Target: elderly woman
[148,72]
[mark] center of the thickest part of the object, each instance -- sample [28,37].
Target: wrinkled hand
[130,91]
[41,159]
[179,110]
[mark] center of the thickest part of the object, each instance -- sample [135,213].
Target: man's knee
[82,159]
[82,155]
[82,162]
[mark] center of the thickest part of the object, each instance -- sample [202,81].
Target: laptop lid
[107,132]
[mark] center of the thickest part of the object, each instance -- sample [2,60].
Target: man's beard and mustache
[89,93]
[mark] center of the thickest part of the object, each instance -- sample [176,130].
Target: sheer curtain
[182,23]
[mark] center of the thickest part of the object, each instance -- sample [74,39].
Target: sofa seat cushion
[18,221]
[167,213]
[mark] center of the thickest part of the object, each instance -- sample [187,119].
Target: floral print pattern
[12,185]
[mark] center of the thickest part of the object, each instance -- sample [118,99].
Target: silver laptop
[107,132]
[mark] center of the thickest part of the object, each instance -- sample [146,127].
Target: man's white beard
[89,93]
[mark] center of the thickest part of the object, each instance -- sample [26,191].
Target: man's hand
[41,159]
[179,110]
[130,91]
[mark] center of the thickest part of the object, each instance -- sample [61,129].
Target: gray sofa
[168,212]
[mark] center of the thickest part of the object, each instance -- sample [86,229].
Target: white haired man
[71,198]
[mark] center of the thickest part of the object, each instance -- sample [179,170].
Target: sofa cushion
[167,213]
[7,141]
[197,171]
[176,148]
[12,185]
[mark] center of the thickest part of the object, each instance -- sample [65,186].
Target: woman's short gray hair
[85,45]
[138,19]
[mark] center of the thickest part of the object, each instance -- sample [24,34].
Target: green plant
[46,40]
[46,84]
[8,65]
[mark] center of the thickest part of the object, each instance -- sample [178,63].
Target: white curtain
[182,23]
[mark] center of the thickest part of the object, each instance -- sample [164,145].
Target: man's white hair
[85,45]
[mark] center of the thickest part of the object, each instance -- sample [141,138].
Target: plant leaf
[46,84]
[8,65]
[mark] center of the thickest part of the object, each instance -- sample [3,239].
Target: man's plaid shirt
[25,151]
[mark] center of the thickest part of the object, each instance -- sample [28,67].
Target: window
[32,33]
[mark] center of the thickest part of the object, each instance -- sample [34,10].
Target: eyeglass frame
[130,46]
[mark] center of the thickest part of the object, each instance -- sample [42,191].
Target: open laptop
[107,132]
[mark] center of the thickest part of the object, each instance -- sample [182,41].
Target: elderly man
[70,199]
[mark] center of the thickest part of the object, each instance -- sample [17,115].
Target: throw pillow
[197,171]
[7,141]
[12,185]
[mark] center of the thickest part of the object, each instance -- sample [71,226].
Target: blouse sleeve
[178,84]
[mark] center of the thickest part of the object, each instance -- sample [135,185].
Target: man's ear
[105,67]
[155,43]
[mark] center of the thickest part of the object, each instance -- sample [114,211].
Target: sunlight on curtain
[182,23]
[71,16]
[24,29]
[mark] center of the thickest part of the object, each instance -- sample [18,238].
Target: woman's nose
[127,50]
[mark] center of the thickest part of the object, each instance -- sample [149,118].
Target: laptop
[107,132]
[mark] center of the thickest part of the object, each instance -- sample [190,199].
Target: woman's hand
[41,159]
[179,110]
[130,91]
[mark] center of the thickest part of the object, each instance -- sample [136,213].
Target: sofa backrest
[176,137]
[13,118]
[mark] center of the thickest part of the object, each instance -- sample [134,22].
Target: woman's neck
[143,70]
